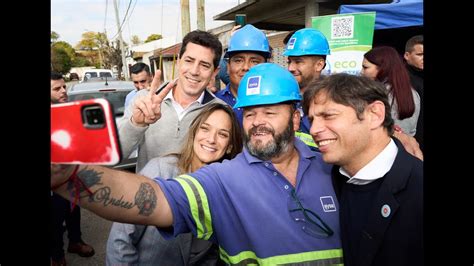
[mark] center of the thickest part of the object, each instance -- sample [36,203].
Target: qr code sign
[342,27]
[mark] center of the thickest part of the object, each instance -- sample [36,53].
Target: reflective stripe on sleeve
[317,258]
[199,205]
[306,138]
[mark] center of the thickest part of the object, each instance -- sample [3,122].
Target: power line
[105,19]
[128,20]
[123,21]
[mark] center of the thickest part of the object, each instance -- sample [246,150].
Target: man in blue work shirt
[272,204]
[248,47]
[141,77]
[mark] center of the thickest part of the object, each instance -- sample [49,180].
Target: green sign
[350,37]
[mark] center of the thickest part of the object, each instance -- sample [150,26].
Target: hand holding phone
[241,19]
[84,132]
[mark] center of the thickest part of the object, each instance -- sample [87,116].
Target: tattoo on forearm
[145,199]
[88,177]
[102,195]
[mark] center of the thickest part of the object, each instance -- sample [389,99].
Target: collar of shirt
[179,109]
[227,91]
[226,95]
[376,168]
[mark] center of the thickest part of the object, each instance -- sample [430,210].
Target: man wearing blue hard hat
[306,51]
[272,204]
[248,47]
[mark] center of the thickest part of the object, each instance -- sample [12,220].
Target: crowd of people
[282,166]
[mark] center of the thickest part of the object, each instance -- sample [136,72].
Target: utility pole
[201,18]
[185,24]
[122,47]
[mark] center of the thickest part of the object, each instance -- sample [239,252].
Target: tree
[153,37]
[88,41]
[98,50]
[81,61]
[54,36]
[60,60]
[113,56]
[66,47]
[136,40]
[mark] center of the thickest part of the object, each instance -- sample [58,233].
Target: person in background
[141,77]
[223,75]
[248,47]
[60,208]
[383,64]
[379,185]
[277,181]
[214,136]
[197,65]
[414,63]
[306,50]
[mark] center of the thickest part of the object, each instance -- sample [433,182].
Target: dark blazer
[398,239]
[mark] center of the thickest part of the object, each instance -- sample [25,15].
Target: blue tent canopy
[398,14]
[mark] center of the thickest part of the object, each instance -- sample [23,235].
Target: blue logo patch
[328,204]
[253,85]
[291,43]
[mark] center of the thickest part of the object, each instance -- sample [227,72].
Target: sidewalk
[95,231]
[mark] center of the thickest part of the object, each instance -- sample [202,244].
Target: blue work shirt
[243,205]
[129,97]
[227,96]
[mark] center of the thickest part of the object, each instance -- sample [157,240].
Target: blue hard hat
[307,41]
[267,83]
[251,39]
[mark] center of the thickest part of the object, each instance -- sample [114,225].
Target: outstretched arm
[114,195]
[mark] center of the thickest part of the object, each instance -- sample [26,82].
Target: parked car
[100,79]
[115,92]
[73,76]
[97,73]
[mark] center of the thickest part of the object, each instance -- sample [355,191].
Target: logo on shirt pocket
[328,204]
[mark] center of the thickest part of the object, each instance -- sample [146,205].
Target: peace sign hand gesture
[147,108]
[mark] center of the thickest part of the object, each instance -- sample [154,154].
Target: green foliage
[54,36]
[88,41]
[66,47]
[60,60]
[95,49]
[81,61]
[153,37]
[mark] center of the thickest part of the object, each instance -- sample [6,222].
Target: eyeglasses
[311,223]
[141,81]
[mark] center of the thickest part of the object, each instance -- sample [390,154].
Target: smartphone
[241,19]
[162,86]
[84,132]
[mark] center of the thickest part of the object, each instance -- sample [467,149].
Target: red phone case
[74,143]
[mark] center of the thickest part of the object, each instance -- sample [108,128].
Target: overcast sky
[71,18]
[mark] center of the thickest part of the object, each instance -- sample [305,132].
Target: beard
[275,147]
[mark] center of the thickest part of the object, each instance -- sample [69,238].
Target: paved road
[95,231]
